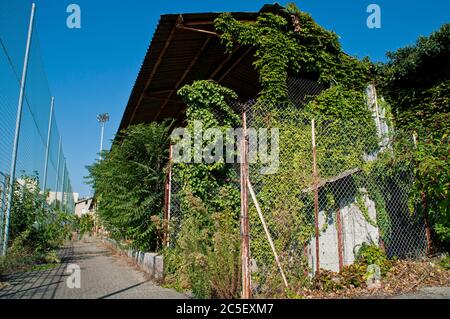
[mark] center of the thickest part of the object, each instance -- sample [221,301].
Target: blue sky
[92,70]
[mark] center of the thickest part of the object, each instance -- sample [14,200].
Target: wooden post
[316,195]
[266,230]
[339,238]
[245,243]
[167,198]
[427,223]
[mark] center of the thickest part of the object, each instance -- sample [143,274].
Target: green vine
[281,49]
[361,203]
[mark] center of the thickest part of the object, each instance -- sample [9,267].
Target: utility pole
[17,130]
[102,119]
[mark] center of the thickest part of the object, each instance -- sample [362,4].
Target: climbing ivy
[415,81]
[281,49]
[206,255]
[205,100]
[292,44]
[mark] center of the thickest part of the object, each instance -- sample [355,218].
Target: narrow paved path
[103,275]
[427,293]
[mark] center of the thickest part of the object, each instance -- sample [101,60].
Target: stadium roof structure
[185,48]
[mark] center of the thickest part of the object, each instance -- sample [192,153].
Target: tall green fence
[39,145]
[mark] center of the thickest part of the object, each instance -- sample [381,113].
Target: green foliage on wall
[281,50]
[206,254]
[346,136]
[207,102]
[416,82]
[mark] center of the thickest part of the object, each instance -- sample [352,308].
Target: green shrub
[445,262]
[84,225]
[129,183]
[328,281]
[354,275]
[206,256]
[416,83]
[36,229]
[369,254]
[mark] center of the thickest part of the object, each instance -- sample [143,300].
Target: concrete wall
[355,230]
[150,263]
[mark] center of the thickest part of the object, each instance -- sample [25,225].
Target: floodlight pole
[17,130]
[102,119]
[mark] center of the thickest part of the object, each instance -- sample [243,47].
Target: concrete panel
[159,268]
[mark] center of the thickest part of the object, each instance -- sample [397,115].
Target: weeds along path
[102,275]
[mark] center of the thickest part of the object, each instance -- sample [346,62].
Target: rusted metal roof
[185,48]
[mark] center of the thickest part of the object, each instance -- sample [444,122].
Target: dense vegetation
[342,120]
[129,184]
[36,230]
[416,83]
[204,256]
[282,49]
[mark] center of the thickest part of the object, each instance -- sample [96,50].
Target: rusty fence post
[316,194]
[167,199]
[245,241]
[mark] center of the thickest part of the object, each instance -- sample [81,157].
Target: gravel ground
[102,274]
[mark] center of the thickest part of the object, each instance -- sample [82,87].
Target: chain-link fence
[39,145]
[320,187]
[339,184]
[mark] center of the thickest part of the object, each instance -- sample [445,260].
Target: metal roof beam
[155,68]
[180,81]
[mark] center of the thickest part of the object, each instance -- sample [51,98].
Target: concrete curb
[150,263]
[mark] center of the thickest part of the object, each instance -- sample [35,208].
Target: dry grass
[404,277]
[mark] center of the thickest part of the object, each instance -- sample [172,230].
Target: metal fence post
[44,184]
[245,242]
[17,129]
[63,184]
[316,194]
[57,171]
[167,198]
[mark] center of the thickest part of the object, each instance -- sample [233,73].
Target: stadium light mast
[102,119]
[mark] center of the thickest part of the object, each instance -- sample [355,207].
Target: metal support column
[57,170]
[44,184]
[316,195]
[63,180]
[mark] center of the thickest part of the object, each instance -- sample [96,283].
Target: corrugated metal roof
[178,56]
